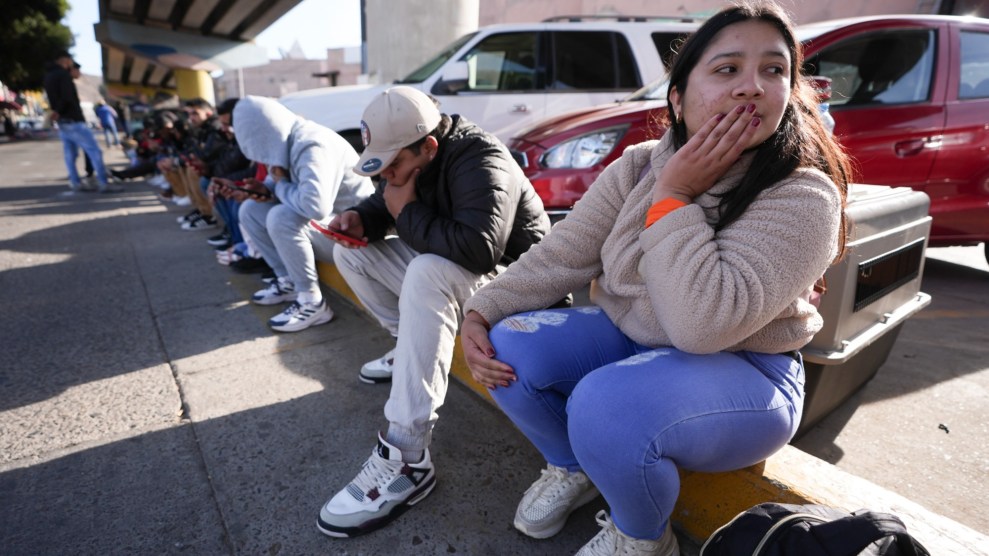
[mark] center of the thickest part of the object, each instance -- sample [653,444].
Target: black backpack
[810,530]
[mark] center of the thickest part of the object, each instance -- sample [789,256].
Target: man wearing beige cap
[451,210]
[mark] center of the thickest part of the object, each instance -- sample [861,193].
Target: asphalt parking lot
[146,408]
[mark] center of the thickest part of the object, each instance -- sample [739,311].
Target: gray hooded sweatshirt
[320,163]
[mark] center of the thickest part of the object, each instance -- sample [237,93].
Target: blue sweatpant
[589,398]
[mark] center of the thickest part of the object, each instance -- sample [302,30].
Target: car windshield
[427,69]
[653,91]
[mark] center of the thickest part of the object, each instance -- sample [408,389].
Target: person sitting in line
[702,250]
[207,142]
[310,177]
[462,209]
[228,164]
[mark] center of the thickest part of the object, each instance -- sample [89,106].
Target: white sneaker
[379,370]
[381,492]
[299,316]
[182,201]
[550,500]
[612,542]
[277,292]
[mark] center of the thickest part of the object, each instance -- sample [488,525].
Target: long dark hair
[801,140]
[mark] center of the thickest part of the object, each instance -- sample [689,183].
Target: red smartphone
[337,235]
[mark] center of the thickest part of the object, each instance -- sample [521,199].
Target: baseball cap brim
[372,162]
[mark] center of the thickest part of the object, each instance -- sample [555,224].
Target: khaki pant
[190,178]
[419,299]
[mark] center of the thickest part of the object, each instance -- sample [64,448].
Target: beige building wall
[403,35]
[803,11]
[280,77]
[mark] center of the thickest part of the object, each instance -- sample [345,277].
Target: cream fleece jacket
[678,283]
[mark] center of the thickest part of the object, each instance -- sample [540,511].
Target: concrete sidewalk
[146,408]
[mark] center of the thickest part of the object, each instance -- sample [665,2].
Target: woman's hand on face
[706,157]
[479,354]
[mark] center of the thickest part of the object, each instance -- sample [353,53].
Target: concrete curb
[709,500]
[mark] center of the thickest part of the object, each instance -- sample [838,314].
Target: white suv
[505,77]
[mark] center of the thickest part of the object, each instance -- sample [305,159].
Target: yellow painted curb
[709,500]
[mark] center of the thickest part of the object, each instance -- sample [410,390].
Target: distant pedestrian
[72,128]
[108,120]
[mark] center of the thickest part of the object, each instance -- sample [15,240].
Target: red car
[910,101]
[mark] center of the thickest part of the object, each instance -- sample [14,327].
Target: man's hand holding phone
[347,229]
[242,190]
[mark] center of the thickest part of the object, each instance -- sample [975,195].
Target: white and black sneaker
[382,491]
[379,370]
[202,222]
[279,291]
[221,239]
[189,217]
[299,316]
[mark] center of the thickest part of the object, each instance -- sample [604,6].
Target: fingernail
[720,117]
[489,353]
[740,109]
[756,122]
[505,384]
[751,108]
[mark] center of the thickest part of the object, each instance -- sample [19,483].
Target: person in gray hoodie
[310,177]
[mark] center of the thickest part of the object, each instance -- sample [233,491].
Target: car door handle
[909,148]
[520,108]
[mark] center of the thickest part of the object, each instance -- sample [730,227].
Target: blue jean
[228,210]
[77,136]
[108,130]
[589,398]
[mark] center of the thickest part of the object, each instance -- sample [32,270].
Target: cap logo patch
[365,133]
[371,165]
[421,128]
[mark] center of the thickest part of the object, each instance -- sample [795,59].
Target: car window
[424,71]
[592,60]
[890,67]
[974,81]
[503,62]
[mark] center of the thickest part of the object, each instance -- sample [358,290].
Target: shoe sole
[374,524]
[325,318]
[266,301]
[557,526]
[373,379]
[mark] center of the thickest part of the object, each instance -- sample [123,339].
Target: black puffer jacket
[475,207]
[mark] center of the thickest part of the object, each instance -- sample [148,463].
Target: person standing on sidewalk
[108,121]
[63,98]
[310,177]
[462,210]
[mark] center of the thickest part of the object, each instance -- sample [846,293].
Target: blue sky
[316,24]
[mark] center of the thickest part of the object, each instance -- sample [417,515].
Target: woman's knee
[524,342]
